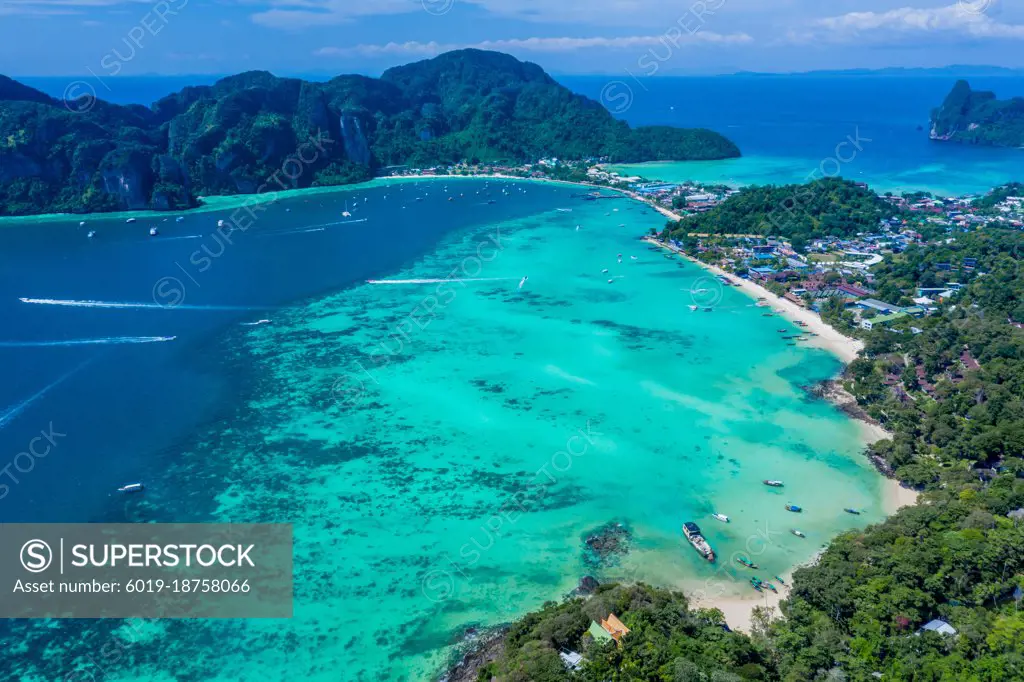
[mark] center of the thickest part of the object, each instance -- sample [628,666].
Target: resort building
[880,306]
[881,320]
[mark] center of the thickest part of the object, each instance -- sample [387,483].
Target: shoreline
[828,338]
[738,609]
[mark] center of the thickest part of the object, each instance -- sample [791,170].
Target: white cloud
[299,14]
[538,44]
[966,18]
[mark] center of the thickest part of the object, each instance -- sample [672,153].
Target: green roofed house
[599,633]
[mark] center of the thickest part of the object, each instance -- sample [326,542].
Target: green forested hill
[232,137]
[977,117]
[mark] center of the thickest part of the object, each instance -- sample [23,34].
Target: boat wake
[12,412]
[438,281]
[312,228]
[174,239]
[113,341]
[130,305]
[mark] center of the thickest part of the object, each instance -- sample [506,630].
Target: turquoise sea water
[444,447]
[962,171]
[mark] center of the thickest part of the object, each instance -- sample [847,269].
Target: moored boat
[797,533]
[772,483]
[793,508]
[153,232]
[855,512]
[131,488]
[746,562]
[692,532]
[721,517]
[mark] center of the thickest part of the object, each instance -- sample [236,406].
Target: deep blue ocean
[123,407]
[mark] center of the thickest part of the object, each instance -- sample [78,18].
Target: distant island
[254,129]
[977,117]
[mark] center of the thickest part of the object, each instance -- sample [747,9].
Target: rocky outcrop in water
[977,117]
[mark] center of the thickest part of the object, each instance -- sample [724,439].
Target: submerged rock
[606,544]
[588,584]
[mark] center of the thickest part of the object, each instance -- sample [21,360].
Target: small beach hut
[599,634]
[615,628]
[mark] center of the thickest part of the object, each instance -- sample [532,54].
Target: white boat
[153,232]
[692,532]
[632,257]
[577,228]
[604,271]
[81,223]
[772,483]
[564,210]
[693,307]
[130,220]
[220,223]
[610,281]
[179,219]
[522,282]
[721,517]
[798,533]
[131,488]
[92,233]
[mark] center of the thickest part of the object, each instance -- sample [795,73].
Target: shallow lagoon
[443,460]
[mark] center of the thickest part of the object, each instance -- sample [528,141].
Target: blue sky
[134,37]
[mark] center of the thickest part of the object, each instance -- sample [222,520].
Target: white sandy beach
[841,346]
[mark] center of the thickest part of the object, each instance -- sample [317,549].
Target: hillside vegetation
[254,131]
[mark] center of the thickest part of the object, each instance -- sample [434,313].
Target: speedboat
[92,233]
[773,484]
[793,508]
[604,271]
[153,232]
[522,282]
[131,488]
[610,281]
[693,307]
[848,510]
[797,533]
[721,517]
[220,223]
